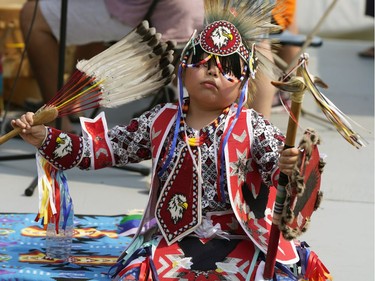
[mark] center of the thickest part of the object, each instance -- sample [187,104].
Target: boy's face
[208,88]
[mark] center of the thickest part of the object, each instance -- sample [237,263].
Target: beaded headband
[223,39]
[218,39]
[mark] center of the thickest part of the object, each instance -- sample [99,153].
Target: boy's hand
[34,135]
[287,160]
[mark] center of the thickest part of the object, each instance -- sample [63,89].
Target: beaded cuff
[62,150]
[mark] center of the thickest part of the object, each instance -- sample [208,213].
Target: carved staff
[297,85]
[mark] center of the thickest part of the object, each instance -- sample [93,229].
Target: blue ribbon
[177,127]
[222,166]
[65,197]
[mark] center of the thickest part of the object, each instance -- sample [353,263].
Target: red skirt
[192,259]
[196,259]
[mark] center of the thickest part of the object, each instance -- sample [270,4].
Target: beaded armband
[62,150]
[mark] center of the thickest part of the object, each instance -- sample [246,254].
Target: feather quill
[331,111]
[302,81]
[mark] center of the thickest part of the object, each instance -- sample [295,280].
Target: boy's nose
[213,70]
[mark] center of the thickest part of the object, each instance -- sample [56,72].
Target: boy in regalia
[215,164]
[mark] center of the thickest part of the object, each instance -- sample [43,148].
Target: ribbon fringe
[55,202]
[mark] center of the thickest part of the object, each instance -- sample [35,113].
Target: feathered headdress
[251,18]
[234,27]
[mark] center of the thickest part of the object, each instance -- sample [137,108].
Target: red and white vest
[238,155]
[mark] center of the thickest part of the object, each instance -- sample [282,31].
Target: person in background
[369,11]
[91,25]
[265,99]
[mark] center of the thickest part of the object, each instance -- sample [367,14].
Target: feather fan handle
[44,115]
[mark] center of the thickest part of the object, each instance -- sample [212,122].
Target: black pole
[62,47]
[60,75]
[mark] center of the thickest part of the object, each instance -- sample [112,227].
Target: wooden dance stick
[296,106]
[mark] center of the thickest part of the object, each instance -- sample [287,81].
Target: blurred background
[347,21]
[342,231]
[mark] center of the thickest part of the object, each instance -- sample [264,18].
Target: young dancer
[215,163]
